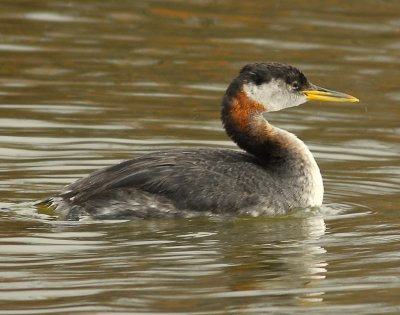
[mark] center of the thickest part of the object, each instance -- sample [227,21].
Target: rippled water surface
[84,84]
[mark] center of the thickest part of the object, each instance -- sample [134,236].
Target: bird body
[273,173]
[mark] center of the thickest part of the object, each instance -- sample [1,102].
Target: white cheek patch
[274,95]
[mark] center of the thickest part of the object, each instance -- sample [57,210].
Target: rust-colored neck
[245,125]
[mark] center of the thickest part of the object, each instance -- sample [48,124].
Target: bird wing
[192,179]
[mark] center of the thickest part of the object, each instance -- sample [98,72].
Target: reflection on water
[166,260]
[87,84]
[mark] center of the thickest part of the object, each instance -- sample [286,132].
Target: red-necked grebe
[272,174]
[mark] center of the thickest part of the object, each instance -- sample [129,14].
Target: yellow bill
[317,93]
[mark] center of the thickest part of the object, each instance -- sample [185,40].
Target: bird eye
[295,85]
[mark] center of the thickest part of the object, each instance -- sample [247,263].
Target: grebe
[273,173]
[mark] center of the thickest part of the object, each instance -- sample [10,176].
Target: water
[87,84]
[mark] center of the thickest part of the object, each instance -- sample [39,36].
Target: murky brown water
[84,84]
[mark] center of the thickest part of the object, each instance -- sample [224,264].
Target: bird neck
[245,124]
[286,158]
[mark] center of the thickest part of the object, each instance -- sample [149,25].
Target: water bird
[273,172]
